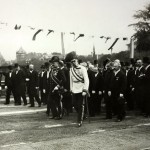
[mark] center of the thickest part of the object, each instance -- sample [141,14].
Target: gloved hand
[56,88]
[121,95]
[44,91]
[100,92]
[93,92]
[83,93]
[109,93]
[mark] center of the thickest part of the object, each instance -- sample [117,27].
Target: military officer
[56,84]
[79,85]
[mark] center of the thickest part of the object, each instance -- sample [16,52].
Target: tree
[142,28]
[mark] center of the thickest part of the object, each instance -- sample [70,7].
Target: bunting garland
[49,31]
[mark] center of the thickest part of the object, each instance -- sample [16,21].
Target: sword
[87,107]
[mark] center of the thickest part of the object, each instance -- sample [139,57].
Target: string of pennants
[75,38]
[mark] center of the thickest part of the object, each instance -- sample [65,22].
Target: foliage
[142,28]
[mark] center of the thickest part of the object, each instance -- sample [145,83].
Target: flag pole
[62,44]
[132,48]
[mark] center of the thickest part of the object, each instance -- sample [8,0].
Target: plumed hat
[70,56]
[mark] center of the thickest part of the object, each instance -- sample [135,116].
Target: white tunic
[75,85]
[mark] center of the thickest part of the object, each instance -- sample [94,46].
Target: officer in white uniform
[79,84]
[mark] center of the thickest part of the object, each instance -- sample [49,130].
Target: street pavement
[27,128]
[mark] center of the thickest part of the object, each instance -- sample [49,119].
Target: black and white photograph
[74,75]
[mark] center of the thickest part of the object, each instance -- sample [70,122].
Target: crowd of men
[64,85]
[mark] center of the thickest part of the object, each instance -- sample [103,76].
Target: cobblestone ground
[24,128]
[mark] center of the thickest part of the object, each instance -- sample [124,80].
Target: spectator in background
[41,78]
[118,87]
[8,84]
[33,86]
[18,82]
[146,86]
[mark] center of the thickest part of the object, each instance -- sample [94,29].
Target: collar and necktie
[42,73]
[48,74]
[115,72]
[10,73]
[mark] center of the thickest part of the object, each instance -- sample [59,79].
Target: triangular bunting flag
[80,35]
[111,47]
[49,31]
[34,36]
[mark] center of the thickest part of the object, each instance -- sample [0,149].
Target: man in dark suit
[129,94]
[146,87]
[118,87]
[66,100]
[108,75]
[18,81]
[139,84]
[41,78]
[8,84]
[33,86]
[46,85]
[96,83]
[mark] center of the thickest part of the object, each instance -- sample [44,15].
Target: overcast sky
[90,17]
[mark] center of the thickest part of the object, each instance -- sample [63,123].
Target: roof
[21,51]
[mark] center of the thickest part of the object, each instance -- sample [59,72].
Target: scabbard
[87,107]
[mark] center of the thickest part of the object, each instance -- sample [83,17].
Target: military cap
[70,56]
